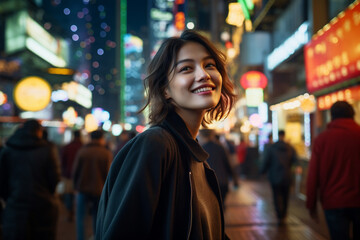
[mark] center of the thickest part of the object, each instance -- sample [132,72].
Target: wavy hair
[163,63]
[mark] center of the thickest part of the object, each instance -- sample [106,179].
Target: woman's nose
[202,74]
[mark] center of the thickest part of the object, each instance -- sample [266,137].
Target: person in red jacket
[334,173]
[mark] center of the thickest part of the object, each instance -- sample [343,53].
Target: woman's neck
[192,120]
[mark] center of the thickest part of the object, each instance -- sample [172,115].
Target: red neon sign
[333,55]
[253,79]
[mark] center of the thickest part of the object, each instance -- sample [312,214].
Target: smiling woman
[159,185]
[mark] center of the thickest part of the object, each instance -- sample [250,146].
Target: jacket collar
[344,123]
[178,129]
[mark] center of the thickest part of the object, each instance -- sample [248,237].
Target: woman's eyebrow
[192,60]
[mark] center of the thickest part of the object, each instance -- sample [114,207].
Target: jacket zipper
[191,193]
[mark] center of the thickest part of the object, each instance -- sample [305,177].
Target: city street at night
[180,119]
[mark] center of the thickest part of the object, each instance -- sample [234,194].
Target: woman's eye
[186,68]
[211,65]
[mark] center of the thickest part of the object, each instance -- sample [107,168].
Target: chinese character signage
[333,55]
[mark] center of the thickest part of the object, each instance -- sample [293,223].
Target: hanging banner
[333,55]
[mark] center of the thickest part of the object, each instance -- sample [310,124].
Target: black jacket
[278,161]
[29,173]
[148,192]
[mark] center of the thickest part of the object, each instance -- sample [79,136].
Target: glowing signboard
[253,79]
[32,94]
[333,55]
[350,94]
[254,97]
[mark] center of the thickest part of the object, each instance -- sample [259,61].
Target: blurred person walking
[218,160]
[68,155]
[90,169]
[278,162]
[159,185]
[334,174]
[241,151]
[29,173]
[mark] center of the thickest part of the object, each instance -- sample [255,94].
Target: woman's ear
[167,94]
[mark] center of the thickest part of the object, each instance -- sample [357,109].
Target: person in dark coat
[91,166]
[29,173]
[279,159]
[218,160]
[159,185]
[334,173]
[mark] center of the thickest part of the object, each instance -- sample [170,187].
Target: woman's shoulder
[156,138]
[155,133]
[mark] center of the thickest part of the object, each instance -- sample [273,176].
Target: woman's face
[195,82]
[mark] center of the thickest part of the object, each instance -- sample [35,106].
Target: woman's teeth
[205,89]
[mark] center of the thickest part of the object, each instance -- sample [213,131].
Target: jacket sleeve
[131,192]
[312,178]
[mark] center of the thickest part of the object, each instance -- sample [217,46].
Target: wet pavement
[249,215]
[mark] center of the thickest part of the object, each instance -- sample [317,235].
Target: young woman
[159,185]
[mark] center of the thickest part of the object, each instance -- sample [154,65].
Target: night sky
[91,27]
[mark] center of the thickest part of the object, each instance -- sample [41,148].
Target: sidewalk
[249,215]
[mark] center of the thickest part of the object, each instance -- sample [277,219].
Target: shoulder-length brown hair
[164,62]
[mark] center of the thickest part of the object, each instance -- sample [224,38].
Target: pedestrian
[334,173]
[241,152]
[159,185]
[91,166]
[218,160]
[278,163]
[68,155]
[29,173]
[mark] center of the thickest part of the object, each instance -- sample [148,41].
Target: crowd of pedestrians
[171,181]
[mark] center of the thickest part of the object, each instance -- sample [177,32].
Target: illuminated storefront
[293,116]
